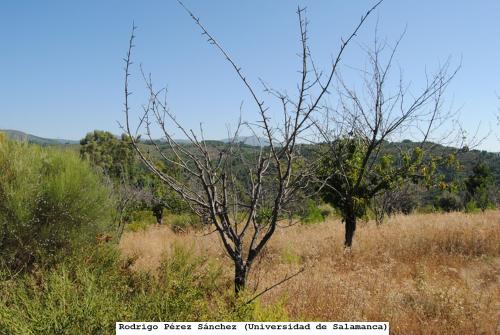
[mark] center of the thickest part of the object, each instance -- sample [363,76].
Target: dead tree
[357,165]
[243,209]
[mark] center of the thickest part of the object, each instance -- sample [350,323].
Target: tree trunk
[240,277]
[159,220]
[350,226]
[158,213]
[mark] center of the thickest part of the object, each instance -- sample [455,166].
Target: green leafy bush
[327,210]
[140,220]
[263,215]
[49,201]
[313,214]
[449,202]
[183,222]
[87,293]
[427,209]
[471,207]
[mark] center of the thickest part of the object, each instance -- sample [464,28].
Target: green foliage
[143,216]
[183,222]
[360,176]
[290,256]
[263,215]
[313,214]
[116,158]
[136,226]
[113,155]
[355,177]
[327,210]
[140,221]
[471,207]
[163,197]
[478,185]
[427,209]
[89,292]
[449,202]
[49,201]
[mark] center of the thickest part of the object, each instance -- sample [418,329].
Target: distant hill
[468,158]
[249,140]
[22,136]
[252,141]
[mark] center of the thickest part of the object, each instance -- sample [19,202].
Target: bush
[263,215]
[327,210]
[313,214]
[88,293]
[449,202]
[140,220]
[427,209]
[50,201]
[183,222]
[472,207]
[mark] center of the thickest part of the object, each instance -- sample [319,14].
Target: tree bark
[240,277]
[158,213]
[350,226]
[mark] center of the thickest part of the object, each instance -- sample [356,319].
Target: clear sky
[61,68]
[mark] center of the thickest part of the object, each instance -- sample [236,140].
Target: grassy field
[425,274]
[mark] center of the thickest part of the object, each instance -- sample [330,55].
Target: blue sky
[61,69]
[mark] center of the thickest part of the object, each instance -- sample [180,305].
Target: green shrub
[327,210]
[143,215]
[427,209]
[137,226]
[263,215]
[87,293]
[140,220]
[471,207]
[183,222]
[50,201]
[313,214]
[449,202]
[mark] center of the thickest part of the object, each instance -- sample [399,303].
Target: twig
[287,278]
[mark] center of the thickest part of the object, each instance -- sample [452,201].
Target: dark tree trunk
[159,220]
[158,213]
[350,226]
[240,277]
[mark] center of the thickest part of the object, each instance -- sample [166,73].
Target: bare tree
[245,208]
[356,166]
[399,199]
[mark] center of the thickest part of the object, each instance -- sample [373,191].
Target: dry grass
[425,274]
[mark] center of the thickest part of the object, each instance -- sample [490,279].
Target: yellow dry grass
[425,274]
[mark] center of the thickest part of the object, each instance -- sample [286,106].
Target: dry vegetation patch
[426,274]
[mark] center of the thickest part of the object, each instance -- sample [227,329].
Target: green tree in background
[115,156]
[134,186]
[354,166]
[478,185]
[159,197]
[353,177]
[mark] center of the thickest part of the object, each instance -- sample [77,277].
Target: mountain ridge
[18,135]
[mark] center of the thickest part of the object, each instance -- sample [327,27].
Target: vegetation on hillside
[50,201]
